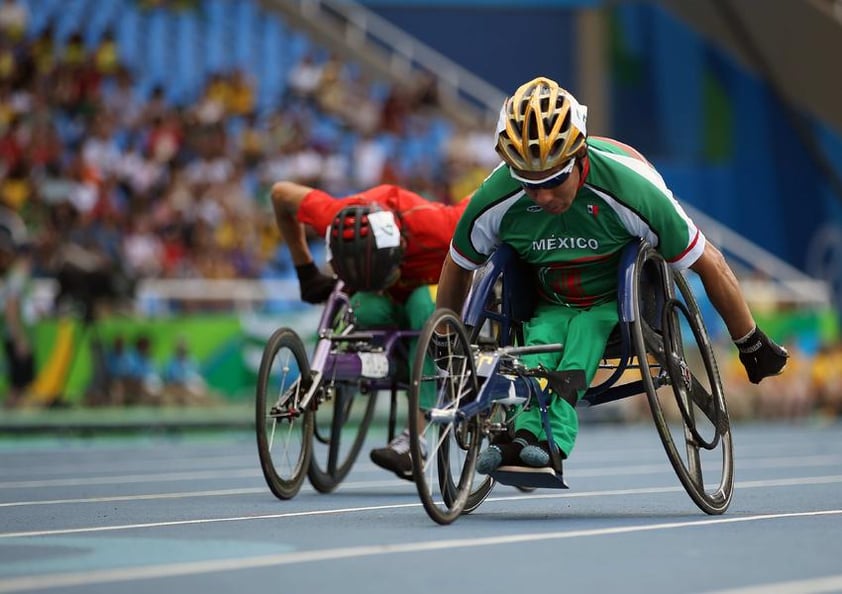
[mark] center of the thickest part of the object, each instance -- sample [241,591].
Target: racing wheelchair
[312,415]
[660,342]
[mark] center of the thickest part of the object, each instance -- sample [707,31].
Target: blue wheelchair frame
[515,307]
[652,302]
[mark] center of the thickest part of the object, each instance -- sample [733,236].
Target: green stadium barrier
[227,348]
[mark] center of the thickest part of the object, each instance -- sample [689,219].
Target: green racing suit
[575,256]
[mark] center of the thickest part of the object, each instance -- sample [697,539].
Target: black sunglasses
[550,183]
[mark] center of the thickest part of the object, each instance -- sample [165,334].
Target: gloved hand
[443,347]
[315,286]
[761,356]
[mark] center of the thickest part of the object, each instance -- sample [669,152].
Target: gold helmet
[541,126]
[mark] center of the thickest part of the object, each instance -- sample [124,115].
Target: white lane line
[820,480]
[323,512]
[402,485]
[831,583]
[182,495]
[132,478]
[71,579]
[186,494]
[573,470]
[138,465]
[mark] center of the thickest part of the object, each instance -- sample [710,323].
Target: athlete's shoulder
[498,186]
[620,168]
[615,147]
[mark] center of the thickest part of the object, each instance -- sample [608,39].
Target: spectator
[183,383]
[144,384]
[118,365]
[305,76]
[14,19]
[14,297]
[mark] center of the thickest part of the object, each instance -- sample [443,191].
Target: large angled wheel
[283,422]
[445,477]
[682,384]
[341,425]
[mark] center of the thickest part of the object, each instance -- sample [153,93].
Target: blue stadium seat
[246,31]
[272,72]
[41,13]
[105,17]
[70,19]
[127,34]
[156,45]
[188,59]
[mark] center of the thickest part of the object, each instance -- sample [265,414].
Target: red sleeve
[318,209]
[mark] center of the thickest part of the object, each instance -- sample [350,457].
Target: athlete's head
[541,127]
[365,247]
[540,134]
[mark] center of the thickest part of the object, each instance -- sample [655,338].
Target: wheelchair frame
[649,323]
[346,365]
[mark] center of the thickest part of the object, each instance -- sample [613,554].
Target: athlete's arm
[724,292]
[759,354]
[454,284]
[286,199]
[314,286]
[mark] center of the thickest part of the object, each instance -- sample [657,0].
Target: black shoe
[395,457]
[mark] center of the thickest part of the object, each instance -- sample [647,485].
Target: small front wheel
[283,420]
[448,445]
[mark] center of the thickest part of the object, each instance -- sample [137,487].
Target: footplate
[525,476]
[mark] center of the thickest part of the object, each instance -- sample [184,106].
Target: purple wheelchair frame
[367,358]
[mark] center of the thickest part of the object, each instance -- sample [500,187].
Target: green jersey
[575,254]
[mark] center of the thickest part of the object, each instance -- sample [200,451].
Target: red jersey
[426,226]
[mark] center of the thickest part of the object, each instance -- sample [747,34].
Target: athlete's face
[553,193]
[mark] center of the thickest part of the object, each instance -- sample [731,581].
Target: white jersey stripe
[485,232]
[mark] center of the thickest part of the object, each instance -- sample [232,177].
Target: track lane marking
[527,496]
[831,583]
[71,579]
[758,463]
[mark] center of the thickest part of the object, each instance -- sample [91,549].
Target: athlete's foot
[504,454]
[536,455]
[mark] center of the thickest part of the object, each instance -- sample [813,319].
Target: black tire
[683,386]
[284,425]
[338,440]
[445,478]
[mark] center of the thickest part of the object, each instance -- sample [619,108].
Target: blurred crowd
[116,184]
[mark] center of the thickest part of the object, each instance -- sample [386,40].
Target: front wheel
[283,420]
[448,445]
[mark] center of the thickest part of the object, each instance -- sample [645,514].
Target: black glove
[761,356]
[315,286]
[442,349]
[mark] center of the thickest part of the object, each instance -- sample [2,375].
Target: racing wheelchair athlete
[386,245]
[568,206]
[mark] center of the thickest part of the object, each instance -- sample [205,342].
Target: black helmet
[365,247]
